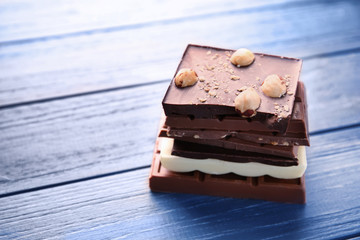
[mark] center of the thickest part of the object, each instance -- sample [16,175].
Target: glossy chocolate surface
[238,127]
[215,95]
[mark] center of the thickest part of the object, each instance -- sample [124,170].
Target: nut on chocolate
[247,102]
[185,77]
[242,57]
[273,86]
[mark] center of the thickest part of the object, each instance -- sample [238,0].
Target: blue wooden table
[81,85]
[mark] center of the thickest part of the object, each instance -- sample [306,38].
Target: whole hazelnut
[185,77]
[242,57]
[247,102]
[273,86]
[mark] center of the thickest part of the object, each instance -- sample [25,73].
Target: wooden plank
[59,67]
[327,86]
[80,137]
[97,134]
[122,206]
[23,20]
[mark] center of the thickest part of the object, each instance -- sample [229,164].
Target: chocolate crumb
[215,56]
[212,93]
[242,89]
[209,68]
[234,77]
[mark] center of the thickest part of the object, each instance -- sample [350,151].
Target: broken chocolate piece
[200,151]
[298,123]
[185,101]
[237,144]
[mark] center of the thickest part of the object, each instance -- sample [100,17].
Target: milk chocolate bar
[215,95]
[227,185]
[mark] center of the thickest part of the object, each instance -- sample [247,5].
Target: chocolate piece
[239,144]
[271,138]
[228,185]
[200,151]
[218,167]
[298,123]
[297,133]
[220,90]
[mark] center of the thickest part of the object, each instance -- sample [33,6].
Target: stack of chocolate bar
[234,125]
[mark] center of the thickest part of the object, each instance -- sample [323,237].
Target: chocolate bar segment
[227,185]
[216,166]
[252,136]
[200,151]
[219,87]
[245,129]
[298,122]
[239,144]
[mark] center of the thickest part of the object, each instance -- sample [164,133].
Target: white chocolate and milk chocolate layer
[215,166]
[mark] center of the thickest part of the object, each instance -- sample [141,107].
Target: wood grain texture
[73,65]
[80,90]
[332,90]
[121,206]
[25,20]
[74,138]
[94,134]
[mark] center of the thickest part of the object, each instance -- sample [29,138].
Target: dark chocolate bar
[251,136]
[237,127]
[298,123]
[236,123]
[219,87]
[239,144]
[228,185]
[200,151]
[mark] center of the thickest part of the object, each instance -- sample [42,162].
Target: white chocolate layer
[215,166]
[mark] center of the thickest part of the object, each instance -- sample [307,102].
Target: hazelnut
[247,102]
[185,77]
[242,57]
[273,86]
